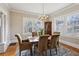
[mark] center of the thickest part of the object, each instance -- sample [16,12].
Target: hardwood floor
[11,51]
[70,47]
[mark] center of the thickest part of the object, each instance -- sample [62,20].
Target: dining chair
[34,34]
[41,47]
[57,33]
[23,45]
[53,43]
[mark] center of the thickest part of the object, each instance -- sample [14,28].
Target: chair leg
[46,53]
[19,53]
[41,53]
[56,50]
[31,52]
[50,52]
[34,50]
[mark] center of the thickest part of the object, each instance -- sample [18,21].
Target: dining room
[39,29]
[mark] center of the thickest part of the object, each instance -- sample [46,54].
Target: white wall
[5,43]
[15,25]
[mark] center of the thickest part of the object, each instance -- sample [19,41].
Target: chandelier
[43,16]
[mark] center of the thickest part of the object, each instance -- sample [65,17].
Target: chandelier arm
[43,7]
[43,17]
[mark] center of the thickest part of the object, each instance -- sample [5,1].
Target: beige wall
[16,23]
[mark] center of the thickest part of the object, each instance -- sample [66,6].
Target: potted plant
[41,31]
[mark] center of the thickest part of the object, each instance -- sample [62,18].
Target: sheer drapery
[67,24]
[31,24]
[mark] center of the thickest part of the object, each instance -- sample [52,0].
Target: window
[67,24]
[31,24]
[73,23]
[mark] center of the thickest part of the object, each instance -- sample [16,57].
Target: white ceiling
[37,7]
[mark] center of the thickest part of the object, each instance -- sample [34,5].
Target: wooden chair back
[54,40]
[34,34]
[19,38]
[23,45]
[42,44]
[56,33]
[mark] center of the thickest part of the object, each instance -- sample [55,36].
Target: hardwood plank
[11,50]
[70,47]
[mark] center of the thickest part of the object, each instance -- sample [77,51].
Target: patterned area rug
[60,52]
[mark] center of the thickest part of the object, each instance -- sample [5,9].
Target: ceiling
[37,7]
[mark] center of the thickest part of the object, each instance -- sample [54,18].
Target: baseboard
[70,44]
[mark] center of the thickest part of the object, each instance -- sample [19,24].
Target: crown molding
[61,11]
[25,12]
[51,14]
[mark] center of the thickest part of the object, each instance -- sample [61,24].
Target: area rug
[61,51]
